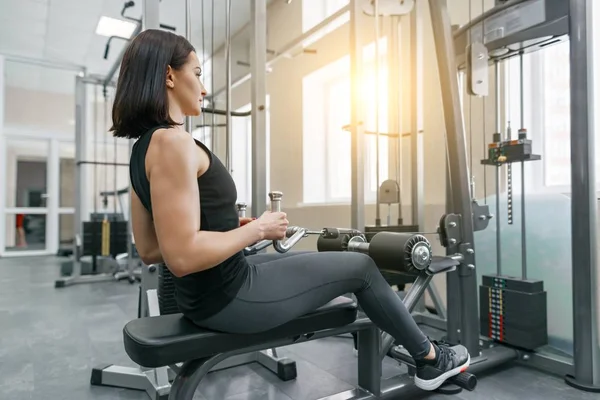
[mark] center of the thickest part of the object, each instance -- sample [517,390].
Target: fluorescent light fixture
[108,26]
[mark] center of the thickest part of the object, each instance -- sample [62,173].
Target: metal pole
[258,83]
[396,100]
[213,135]
[188,35]
[497,168]
[377,55]
[523,224]
[228,121]
[583,199]
[80,189]
[357,206]
[416,78]
[150,15]
[3,155]
[43,63]
[459,173]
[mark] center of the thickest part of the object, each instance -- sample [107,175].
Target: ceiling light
[108,26]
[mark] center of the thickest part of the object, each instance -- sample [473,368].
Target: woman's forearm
[153,257]
[208,249]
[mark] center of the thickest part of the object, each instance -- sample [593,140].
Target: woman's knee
[361,265]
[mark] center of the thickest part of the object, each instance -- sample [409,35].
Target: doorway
[37,197]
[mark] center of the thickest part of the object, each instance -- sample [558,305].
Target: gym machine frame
[80,190]
[559,21]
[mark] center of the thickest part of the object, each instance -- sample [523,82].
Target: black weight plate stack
[166,292]
[513,311]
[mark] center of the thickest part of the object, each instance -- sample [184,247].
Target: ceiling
[63,31]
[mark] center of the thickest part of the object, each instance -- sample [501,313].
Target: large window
[315,11]
[547,114]
[326,144]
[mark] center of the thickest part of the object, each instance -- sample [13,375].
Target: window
[327,146]
[315,11]
[242,154]
[547,79]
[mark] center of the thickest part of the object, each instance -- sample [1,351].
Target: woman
[184,214]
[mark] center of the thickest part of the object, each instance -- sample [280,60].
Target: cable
[377,52]
[203,53]
[95,141]
[116,158]
[483,142]
[105,141]
[213,136]
[470,117]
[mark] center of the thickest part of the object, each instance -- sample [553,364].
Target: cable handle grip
[255,248]
[283,246]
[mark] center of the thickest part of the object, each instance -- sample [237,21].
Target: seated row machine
[175,346]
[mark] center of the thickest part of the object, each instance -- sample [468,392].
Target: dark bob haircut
[141,101]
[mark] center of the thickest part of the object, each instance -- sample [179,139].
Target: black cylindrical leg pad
[338,243]
[400,252]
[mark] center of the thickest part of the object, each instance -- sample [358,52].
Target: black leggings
[282,287]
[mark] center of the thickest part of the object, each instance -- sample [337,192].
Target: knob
[276,196]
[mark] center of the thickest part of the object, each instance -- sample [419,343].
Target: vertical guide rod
[188,36]
[228,121]
[416,79]
[583,200]
[258,87]
[3,155]
[498,130]
[459,175]
[80,188]
[377,72]
[213,135]
[523,224]
[396,99]
[357,207]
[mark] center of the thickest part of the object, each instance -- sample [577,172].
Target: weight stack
[513,311]
[166,292]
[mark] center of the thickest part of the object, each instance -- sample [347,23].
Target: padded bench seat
[170,339]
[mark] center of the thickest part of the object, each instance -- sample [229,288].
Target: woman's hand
[272,225]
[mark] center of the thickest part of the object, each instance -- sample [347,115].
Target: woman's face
[185,86]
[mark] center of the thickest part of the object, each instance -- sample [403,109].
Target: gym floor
[50,339]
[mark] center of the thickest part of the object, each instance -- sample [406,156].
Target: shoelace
[446,353]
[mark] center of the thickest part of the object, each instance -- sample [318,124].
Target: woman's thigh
[273,256]
[283,289]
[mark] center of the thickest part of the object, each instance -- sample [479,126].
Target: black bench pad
[169,339]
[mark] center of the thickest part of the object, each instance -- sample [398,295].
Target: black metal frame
[562,20]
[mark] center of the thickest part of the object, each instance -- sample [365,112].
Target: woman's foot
[443,364]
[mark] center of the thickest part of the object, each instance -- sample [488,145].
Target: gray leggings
[282,287]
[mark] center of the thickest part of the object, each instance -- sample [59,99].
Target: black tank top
[201,294]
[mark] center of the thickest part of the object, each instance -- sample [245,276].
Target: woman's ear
[170,78]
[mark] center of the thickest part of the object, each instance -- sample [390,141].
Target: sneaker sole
[435,383]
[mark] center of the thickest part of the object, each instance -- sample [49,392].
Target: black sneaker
[449,361]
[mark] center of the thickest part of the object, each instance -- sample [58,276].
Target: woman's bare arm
[173,162]
[146,242]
